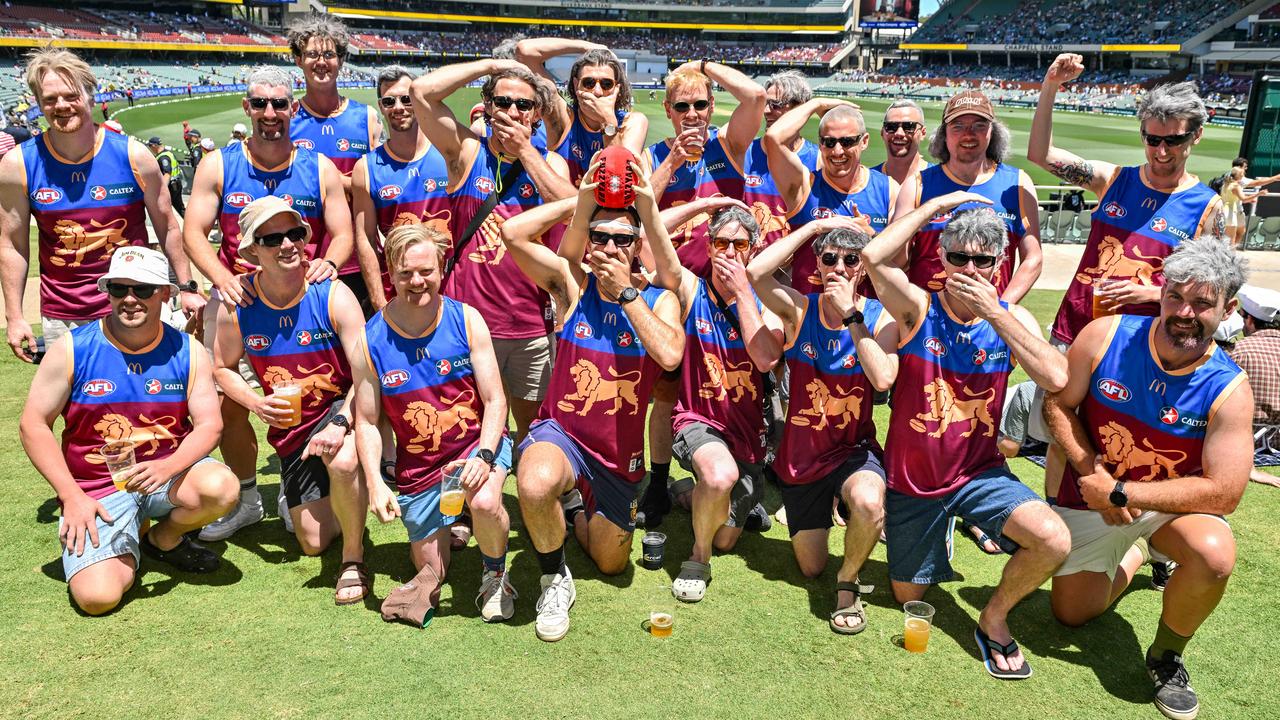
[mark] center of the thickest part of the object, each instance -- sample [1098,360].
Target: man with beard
[91,192]
[902,130]
[1155,421]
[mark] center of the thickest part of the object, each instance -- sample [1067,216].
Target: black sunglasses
[295,235]
[829,259]
[522,104]
[776,105]
[589,83]
[960,259]
[142,292]
[683,107]
[260,103]
[740,244]
[599,237]
[389,101]
[907,126]
[1170,140]
[845,142]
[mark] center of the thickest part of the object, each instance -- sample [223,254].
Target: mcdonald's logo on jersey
[79,177]
[1149,204]
[286,321]
[135,368]
[326,130]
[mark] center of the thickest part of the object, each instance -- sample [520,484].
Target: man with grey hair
[841,348]
[1143,211]
[337,127]
[782,91]
[1155,421]
[972,146]
[958,348]
[902,131]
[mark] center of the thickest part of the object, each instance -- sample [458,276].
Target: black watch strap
[852,318]
[189,286]
[341,421]
[627,295]
[486,456]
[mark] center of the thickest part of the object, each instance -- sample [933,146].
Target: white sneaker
[247,512]
[558,595]
[496,600]
[282,506]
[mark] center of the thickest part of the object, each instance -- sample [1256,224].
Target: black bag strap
[477,220]
[732,317]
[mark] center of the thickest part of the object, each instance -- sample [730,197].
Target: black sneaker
[654,506]
[187,555]
[758,520]
[1161,572]
[1174,695]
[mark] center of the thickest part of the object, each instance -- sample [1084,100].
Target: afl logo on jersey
[754,181]
[934,345]
[576,149]
[394,378]
[390,192]
[1159,224]
[47,196]
[944,217]
[704,327]
[821,212]
[1114,390]
[484,184]
[97,192]
[344,145]
[257,342]
[808,351]
[153,387]
[1169,415]
[99,388]
[582,330]
[304,143]
[444,367]
[239,199]
[1113,209]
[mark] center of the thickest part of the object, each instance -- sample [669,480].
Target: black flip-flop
[187,556]
[981,540]
[986,645]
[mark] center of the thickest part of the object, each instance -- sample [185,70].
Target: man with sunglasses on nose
[403,181]
[619,333]
[957,349]
[902,131]
[971,146]
[843,186]
[841,348]
[783,91]
[130,379]
[306,334]
[266,163]
[1143,212]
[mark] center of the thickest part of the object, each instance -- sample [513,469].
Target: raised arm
[761,332]
[547,269]
[1063,164]
[438,122]
[364,222]
[15,252]
[789,173]
[781,300]
[878,351]
[534,54]
[1030,255]
[657,226]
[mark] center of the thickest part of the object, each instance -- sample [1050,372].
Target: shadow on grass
[47,512]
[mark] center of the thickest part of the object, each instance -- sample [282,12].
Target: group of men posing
[487,280]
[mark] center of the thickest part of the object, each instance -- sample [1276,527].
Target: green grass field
[262,638]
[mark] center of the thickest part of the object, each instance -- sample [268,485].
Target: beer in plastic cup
[662,612]
[661,623]
[451,492]
[119,457]
[695,154]
[290,392]
[919,618]
[1098,309]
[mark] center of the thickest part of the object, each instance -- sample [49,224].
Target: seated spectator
[1258,354]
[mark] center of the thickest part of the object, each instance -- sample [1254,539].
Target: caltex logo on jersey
[582,330]
[1115,210]
[1169,415]
[704,327]
[625,339]
[394,378]
[99,388]
[304,338]
[304,143]
[1114,390]
[848,362]
[153,387]
[257,342]
[935,346]
[430,185]
[390,192]
[444,367]
[239,199]
[733,334]
[484,184]
[47,196]
[979,356]
[526,190]
[754,181]
[1159,224]
[808,351]
[97,192]
[344,145]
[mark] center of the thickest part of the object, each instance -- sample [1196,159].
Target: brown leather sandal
[363,580]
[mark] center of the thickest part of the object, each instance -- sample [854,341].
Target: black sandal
[186,556]
[853,610]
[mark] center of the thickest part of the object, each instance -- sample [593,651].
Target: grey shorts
[746,493]
[525,365]
[54,328]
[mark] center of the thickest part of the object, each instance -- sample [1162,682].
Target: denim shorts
[420,511]
[919,530]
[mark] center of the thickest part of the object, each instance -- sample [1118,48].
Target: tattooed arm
[1066,166]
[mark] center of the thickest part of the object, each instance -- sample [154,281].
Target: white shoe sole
[554,635]
[209,534]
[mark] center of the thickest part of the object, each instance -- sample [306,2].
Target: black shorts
[304,481]
[809,505]
[355,281]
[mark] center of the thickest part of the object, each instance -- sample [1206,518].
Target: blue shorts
[420,511]
[603,492]
[919,530]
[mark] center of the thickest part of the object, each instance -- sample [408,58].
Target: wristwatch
[341,421]
[1118,496]
[854,317]
[486,456]
[627,295]
[610,130]
[189,286]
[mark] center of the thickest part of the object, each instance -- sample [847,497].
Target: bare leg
[1080,597]
[1205,552]
[608,545]
[207,492]
[239,442]
[716,472]
[98,588]
[490,516]
[863,493]
[544,475]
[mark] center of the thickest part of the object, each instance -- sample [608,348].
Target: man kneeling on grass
[131,380]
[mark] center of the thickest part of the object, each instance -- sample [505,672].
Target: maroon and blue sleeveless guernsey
[407,192]
[1146,422]
[83,212]
[486,277]
[296,342]
[138,397]
[243,181]
[580,145]
[602,381]
[343,138]
[714,174]
[719,383]
[830,413]
[947,404]
[761,193]
[924,266]
[1134,228]
[871,198]
[428,393]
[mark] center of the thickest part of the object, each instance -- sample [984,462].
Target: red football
[616,178]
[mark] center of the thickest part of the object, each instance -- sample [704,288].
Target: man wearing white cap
[131,379]
[238,131]
[1258,354]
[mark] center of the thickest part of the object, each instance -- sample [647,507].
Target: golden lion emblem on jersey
[721,382]
[76,241]
[438,221]
[431,423]
[823,405]
[947,408]
[313,381]
[114,427]
[1113,262]
[768,220]
[1123,453]
[592,387]
[489,247]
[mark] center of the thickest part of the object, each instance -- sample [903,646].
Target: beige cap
[257,213]
[139,264]
[969,102]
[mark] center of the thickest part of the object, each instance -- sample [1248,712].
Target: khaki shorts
[211,312]
[1099,547]
[749,489]
[525,365]
[54,328]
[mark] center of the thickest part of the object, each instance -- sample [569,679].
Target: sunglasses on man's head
[845,142]
[142,292]
[589,83]
[907,126]
[273,240]
[522,104]
[683,107]
[389,101]
[279,103]
[829,259]
[740,244]
[960,259]
[1170,140]
[620,240]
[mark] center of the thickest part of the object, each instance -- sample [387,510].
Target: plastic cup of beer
[662,615]
[919,619]
[695,154]
[290,392]
[451,492]
[118,456]
[1098,309]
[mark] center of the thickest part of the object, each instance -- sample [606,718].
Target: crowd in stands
[1078,21]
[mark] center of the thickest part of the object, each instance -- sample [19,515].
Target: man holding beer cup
[128,380]
[299,338]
